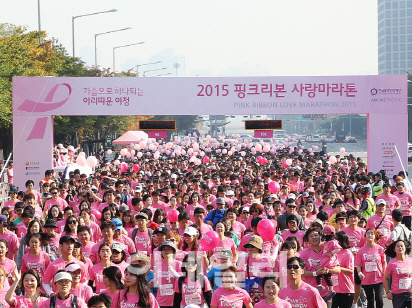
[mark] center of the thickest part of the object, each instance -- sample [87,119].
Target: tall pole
[38,17]
[73,34]
[95,52]
[176,65]
[114,48]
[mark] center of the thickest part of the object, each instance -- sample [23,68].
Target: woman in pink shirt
[31,290]
[55,213]
[137,294]
[192,287]
[350,199]
[270,284]
[81,290]
[191,243]
[96,272]
[400,269]
[129,222]
[7,264]
[36,258]
[371,264]
[112,279]
[70,228]
[3,288]
[225,242]
[311,209]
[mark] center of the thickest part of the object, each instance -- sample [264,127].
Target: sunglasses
[72,222]
[292,206]
[192,263]
[294,266]
[54,193]
[245,212]
[254,211]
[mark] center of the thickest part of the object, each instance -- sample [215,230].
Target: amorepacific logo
[375,91]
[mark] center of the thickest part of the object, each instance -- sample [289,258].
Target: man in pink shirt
[392,201]
[405,198]
[157,204]
[382,223]
[299,293]
[199,215]
[84,234]
[55,199]
[292,222]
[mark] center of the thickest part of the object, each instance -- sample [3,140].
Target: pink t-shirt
[343,282]
[60,226]
[385,228]
[96,275]
[191,210]
[95,232]
[166,282]
[238,228]
[356,237]
[312,260]
[279,304]
[94,254]
[13,243]
[306,296]
[87,249]
[235,298]
[61,264]
[60,202]
[83,291]
[192,291]
[204,228]
[332,261]
[406,201]
[401,272]
[299,234]
[355,204]
[23,302]
[226,244]
[392,202]
[130,301]
[371,261]
[38,263]
[63,303]
[11,204]
[3,293]
[143,243]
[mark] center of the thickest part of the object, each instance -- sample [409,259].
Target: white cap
[73,267]
[274,196]
[230,193]
[320,162]
[255,201]
[190,231]
[62,275]
[328,162]
[291,196]
[173,176]
[246,209]
[192,306]
[380,201]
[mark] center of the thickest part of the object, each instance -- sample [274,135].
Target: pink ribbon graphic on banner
[28,105]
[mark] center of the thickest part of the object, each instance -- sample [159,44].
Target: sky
[214,37]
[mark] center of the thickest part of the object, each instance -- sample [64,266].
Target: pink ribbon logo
[28,105]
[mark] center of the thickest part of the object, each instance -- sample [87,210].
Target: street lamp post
[114,48]
[137,66]
[74,17]
[95,41]
[38,17]
[162,74]
[157,69]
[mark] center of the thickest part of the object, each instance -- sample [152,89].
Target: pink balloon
[266,148]
[190,151]
[342,150]
[195,146]
[230,153]
[332,159]
[116,162]
[243,153]
[81,160]
[123,167]
[267,228]
[274,187]
[132,152]
[259,159]
[178,153]
[173,215]
[209,240]
[284,164]
[142,144]
[139,154]
[198,162]
[137,147]
[224,151]
[289,162]
[96,214]
[128,155]
[91,161]
[264,161]
[82,154]
[123,152]
[206,159]
[136,167]
[258,147]
[109,152]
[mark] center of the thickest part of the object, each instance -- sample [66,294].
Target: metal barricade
[4,193]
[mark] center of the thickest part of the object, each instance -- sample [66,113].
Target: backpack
[370,209]
[407,234]
[134,233]
[213,217]
[73,301]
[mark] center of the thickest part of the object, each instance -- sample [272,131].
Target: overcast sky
[217,37]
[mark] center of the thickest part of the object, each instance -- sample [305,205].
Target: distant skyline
[216,37]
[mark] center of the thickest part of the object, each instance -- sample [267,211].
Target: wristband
[360,273]
[314,274]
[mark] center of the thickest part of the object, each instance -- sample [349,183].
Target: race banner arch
[37,99]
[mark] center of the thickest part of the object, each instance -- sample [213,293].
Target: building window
[394,5]
[388,57]
[402,64]
[395,39]
[396,72]
[402,38]
[402,56]
[395,56]
[395,14]
[402,30]
[395,30]
[402,47]
[388,65]
[402,21]
[395,47]
[395,64]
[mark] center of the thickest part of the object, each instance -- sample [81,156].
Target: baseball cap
[291,196]
[246,209]
[381,201]
[163,230]
[220,201]
[173,176]
[255,241]
[226,254]
[230,193]
[117,246]
[65,239]
[118,223]
[3,218]
[142,215]
[316,221]
[329,230]
[62,275]
[268,200]
[190,231]
[138,189]
[123,208]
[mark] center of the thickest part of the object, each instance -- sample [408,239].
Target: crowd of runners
[210,224]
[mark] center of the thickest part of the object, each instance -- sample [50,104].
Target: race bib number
[193,299]
[166,289]
[335,280]
[385,232]
[142,252]
[371,267]
[405,283]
